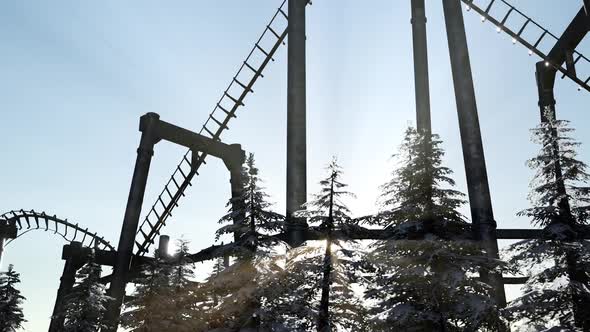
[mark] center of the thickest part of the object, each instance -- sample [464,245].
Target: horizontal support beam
[229,153]
[514,280]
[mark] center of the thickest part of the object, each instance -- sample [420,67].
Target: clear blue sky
[76,76]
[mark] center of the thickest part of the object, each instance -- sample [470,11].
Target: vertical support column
[163,246]
[7,231]
[2,243]
[423,122]
[234,163]
[145,152]
[71,255]
[480,201]
[296,121]
[545,83]
[236,195]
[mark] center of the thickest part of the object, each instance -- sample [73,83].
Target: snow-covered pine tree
[185,314]
[85,306]
[425,272]
[236,289]
[11,312]
[166,297]
[258,221]
[151,303]
[315,291]
[557,293]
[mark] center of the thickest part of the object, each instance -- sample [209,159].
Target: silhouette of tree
[85,306]
[557,292]
[315,291]
[11,312]
[424,276]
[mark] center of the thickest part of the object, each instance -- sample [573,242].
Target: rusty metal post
[73,262]
[480,201]
[296,121]
[145,152]
[423,122]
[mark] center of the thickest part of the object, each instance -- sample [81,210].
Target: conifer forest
[429,256]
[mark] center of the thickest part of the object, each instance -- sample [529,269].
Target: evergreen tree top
[329,200]
[250,214]
[419,194]
[11,313]
[560,191]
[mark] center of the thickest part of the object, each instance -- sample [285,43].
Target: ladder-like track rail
[526,31]
[27,221]
[232,98]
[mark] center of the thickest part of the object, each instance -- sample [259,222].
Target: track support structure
[296,121]
[480,202]
[75,258]
[153,131]
[423,122]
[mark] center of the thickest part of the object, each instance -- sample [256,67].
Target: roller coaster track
[32,220]
[526,31]
[232,98]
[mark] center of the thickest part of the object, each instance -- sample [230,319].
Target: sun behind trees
[424,276]
[315,292]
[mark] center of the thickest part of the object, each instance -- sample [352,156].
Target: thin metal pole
[423,122]
[484,225]
[296,120]
[145,152]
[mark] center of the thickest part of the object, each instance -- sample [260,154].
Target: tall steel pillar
[2,243]
[296,121]
[423,122]
[145,152]
[7,231]
[482,215]
[237,202]
[72,254]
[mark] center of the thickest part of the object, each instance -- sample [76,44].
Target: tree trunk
[324,312]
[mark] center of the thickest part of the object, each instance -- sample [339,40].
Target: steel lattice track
[524,30]
[225,109]
[41,221]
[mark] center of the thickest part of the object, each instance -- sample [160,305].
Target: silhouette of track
[231,99]
[529,33]
[27,221]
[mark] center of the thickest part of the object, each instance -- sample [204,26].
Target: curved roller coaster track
[27,221]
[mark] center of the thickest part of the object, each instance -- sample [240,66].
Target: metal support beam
[237,202]
[423,122]
[480,201]
[145,152]
[296,121]
[74,259]
[154,130]
[163,246]
[7,231]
